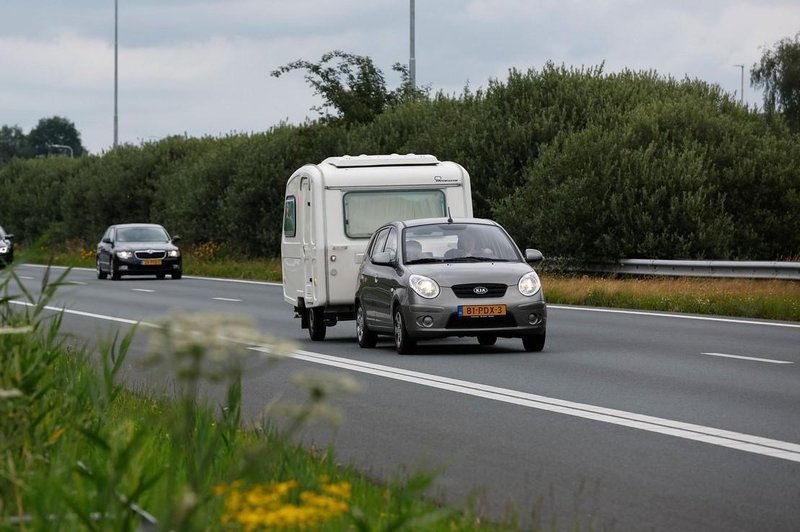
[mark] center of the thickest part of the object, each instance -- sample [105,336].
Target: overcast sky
[201,67]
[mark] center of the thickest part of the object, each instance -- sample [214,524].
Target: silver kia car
[441,277]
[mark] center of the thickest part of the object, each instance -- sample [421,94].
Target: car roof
[443,220]
[118,226]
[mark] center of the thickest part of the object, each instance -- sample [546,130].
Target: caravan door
[309,244]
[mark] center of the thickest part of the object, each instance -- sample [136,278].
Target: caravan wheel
[316,323]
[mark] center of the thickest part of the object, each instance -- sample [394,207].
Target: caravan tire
[316,324]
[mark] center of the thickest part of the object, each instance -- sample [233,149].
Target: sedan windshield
[142,234]
[458,243]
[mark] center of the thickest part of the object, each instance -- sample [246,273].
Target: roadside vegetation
[80,451]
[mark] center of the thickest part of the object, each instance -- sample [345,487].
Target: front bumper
[439,317]
[134,266]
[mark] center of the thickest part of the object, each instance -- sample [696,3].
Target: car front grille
[468,290]
[488,322]
[150,254]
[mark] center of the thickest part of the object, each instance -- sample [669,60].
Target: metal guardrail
[704,268]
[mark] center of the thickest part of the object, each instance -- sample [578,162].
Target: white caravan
[332,208]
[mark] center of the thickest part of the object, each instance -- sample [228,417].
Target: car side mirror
[10,237]
[533,255]
[107,241]
[384,258]
[175,238]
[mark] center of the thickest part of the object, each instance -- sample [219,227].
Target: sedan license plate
[151,262]
[481,311]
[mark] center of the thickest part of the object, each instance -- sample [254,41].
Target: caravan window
[366,210]
[289,217]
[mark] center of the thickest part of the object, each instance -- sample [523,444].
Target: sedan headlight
[173,253]
[124,255]
[424,286]
[3,249]
[529,284]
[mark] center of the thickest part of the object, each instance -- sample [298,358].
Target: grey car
[440,277]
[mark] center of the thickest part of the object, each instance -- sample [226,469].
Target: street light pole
[412,61]
[741,94]
[116,118]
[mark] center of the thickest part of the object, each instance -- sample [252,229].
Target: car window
[379,242]
[142,234]
[460,241]
[391,241]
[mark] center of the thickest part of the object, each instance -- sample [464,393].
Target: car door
[385,283]
[368,277]
[104,249]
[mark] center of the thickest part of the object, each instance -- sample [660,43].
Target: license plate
[481,311]
[152,262]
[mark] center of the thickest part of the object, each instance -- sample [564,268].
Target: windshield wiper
[425,260]
[475,259]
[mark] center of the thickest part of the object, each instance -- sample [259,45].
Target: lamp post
[63,147]
[741,94]
[116,119]
[412,61]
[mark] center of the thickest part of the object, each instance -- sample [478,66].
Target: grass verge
[79,451]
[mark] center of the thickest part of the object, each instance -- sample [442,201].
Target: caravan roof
[349,161]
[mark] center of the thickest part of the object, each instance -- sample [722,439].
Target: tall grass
[80,451]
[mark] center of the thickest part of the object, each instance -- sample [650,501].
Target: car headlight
[424,286]
[173,253]
[125,255]
[529,284]
[3,249]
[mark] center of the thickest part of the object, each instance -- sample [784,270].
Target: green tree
[352,86]
[53,131]
[778,74]
[13,143]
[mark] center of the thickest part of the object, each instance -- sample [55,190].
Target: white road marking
[142,290]
[734,440]
[227,299]
[678,316]
[723,438]
[771,361]
[27,277]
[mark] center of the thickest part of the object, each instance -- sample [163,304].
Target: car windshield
[457,242]
[142,234]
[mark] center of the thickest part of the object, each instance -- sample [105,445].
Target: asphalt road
[626,421]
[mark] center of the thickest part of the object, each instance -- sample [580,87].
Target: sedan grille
[479,290]
[150,254]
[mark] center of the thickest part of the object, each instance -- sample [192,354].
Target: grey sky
[201,67]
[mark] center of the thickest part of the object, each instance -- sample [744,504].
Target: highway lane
[571,459]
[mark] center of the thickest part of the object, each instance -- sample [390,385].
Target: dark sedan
[442,277]
[6,248]
[138,249]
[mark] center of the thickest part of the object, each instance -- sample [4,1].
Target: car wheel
[402,341]
[115,275]
[100,273]
[487,339]
[177,275]
[366,338]
[316,323]
[534,342]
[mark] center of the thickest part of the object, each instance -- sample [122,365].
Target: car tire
[100,273]
[316,324]
[487,339]
[403,342]
[177,275]
[115,275]
[533,343]
[366,338]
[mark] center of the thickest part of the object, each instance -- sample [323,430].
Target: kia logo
[480,290]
